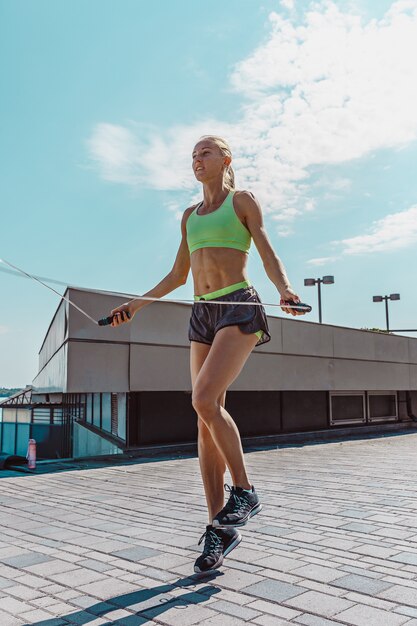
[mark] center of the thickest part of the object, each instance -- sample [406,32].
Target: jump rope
[105,321]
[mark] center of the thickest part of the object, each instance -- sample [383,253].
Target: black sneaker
[218,543]
[241,506]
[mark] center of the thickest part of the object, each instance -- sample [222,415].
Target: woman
[216,235]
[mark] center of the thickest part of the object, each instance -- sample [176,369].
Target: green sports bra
[219,229]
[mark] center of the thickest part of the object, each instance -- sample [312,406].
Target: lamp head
[328,280]
[394,296]
[377,299]
[309,282]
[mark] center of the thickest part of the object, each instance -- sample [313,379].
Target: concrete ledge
[178,450]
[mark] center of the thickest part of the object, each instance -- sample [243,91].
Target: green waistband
[222,292]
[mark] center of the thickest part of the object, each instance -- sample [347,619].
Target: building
[104,390]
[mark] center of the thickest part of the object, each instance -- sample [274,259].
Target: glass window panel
[96,418]
[88,415]
[347,408]
[121,429]
[106,411]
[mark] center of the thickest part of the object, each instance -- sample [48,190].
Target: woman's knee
[206,406]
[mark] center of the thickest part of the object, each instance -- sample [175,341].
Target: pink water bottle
[31,454]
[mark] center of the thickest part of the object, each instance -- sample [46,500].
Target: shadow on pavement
[146,603]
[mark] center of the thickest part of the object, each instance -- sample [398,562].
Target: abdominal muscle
[216,268]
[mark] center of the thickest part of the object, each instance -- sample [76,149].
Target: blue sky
[103,101]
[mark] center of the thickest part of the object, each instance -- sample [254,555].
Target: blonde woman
[216,236]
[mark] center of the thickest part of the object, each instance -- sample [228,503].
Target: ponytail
[229,177]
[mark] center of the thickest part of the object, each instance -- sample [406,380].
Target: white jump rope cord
[179,301]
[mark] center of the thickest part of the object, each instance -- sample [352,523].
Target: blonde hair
[228,174]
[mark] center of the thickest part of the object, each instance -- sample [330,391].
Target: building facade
[128,387]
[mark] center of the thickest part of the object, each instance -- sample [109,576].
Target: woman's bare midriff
[216,268]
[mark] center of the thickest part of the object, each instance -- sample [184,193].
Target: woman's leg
[221,366]
[212,464]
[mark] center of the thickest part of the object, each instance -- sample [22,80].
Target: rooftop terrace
[95,543]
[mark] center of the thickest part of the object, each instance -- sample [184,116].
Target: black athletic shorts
[206,319]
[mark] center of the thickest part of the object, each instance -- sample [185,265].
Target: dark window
[382,406]
[347,408]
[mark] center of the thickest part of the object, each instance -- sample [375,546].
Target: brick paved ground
[336,542]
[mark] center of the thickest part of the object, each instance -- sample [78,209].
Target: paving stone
[316,602]
[359,615]
[24,593]
[223,620]
[401,595]
[378,603]
[268,620]
[11,605]
[82,576]
[304,537]
[362,584]
[281,563]
[274,609]
[230,608]
[136,553]
[379,551]
[340,544]
[322,587]
[26,559]
[406,610]
[54,621]
[178,614]
[60,608]
[52,566]
[357,513]
[109,588]
[360,528]
[274,590]
[9,620]
[165,561]
[237,580]
[35,615]
[37,582]
[410,558]
[318,572]
[97,566]
[362,571]
[327,521]
[276,531]
[44,601]
[313,620]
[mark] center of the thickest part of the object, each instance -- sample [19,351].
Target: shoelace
[235,503]
[213,541]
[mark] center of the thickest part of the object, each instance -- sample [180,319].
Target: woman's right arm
[176,277]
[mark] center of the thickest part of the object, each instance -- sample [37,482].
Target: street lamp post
[310,282]
[392,296]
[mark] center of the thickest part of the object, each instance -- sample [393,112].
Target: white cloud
[4,330]
[319,261]
[395,231]
[325,91]
[115,152]
[392,232]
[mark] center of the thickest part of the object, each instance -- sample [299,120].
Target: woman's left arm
[250,209]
